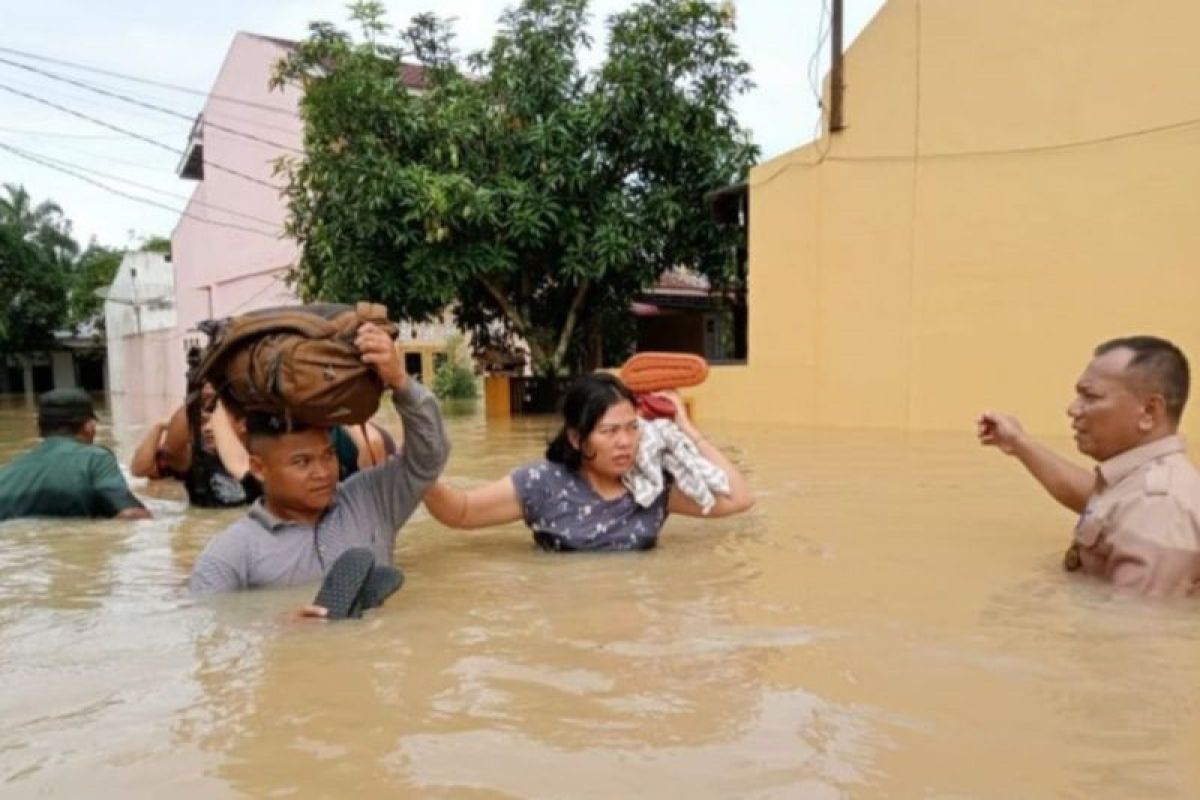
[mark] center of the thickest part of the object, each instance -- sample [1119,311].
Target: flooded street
[889,621]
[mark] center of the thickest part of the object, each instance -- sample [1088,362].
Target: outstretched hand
[1002,431]
[379,351]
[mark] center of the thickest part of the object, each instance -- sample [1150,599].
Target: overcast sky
[184,43]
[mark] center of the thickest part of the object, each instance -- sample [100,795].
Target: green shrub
[454,379]
[454,382]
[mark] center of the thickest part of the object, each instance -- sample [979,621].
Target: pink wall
[221,270]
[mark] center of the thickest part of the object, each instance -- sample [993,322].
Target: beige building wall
[1017,181]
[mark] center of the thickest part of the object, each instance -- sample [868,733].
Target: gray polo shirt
[368,509]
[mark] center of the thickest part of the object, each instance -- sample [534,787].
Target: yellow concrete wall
[1018,181]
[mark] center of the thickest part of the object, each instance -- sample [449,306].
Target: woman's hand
[681,415]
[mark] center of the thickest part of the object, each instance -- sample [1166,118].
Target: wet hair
[585,403]
[262,425]
[1159,366]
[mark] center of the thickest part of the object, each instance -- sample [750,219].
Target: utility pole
[835,70]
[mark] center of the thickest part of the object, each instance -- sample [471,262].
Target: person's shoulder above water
[541,469]
[68,446]
[1159,497]
[1178,473]
[224,563]
[64,477]
[538,480]
[56,460]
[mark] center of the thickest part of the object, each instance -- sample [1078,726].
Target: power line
[1029,149]
[144,165]
[132,134]
[137,118]
[221,113]
[42,162]
[171,86]
[62,134]
[813,70]
[107,175]
[148,188]
[275,281]
[143,104]
[823,32]
[89,101]
[1005,151]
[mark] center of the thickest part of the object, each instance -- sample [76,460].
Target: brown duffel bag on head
[299,361]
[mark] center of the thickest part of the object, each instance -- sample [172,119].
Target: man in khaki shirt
[1139,524]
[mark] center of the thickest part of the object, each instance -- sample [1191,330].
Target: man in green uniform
[66,475]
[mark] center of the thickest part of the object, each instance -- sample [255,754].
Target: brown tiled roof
[413,76]
[681,279]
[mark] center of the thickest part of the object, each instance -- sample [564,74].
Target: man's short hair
[64,411]
[1161,368]
[265,425]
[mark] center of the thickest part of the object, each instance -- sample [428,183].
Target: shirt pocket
[1089,529]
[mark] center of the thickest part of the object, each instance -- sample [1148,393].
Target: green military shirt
[63,477]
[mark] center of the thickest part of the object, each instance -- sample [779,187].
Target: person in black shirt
[216,475]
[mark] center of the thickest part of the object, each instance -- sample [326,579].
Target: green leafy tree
[36,262]
[156,244]
[42,225]
[94,269]
[33,293]
[533,196]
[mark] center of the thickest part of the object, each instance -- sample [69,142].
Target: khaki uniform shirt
[1141,527]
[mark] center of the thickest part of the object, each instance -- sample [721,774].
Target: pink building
[228,250]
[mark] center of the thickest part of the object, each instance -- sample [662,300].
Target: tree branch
[510,311]
[564,338]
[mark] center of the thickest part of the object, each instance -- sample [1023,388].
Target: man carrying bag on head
[305,519]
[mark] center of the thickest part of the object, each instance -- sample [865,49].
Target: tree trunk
[547,349]
[568,329]
[594,358]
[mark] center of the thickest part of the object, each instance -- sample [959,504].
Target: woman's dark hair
[588,399]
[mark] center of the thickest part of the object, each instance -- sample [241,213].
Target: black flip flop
[383,583]
[341,592]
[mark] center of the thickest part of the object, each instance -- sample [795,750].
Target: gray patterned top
[565,513]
